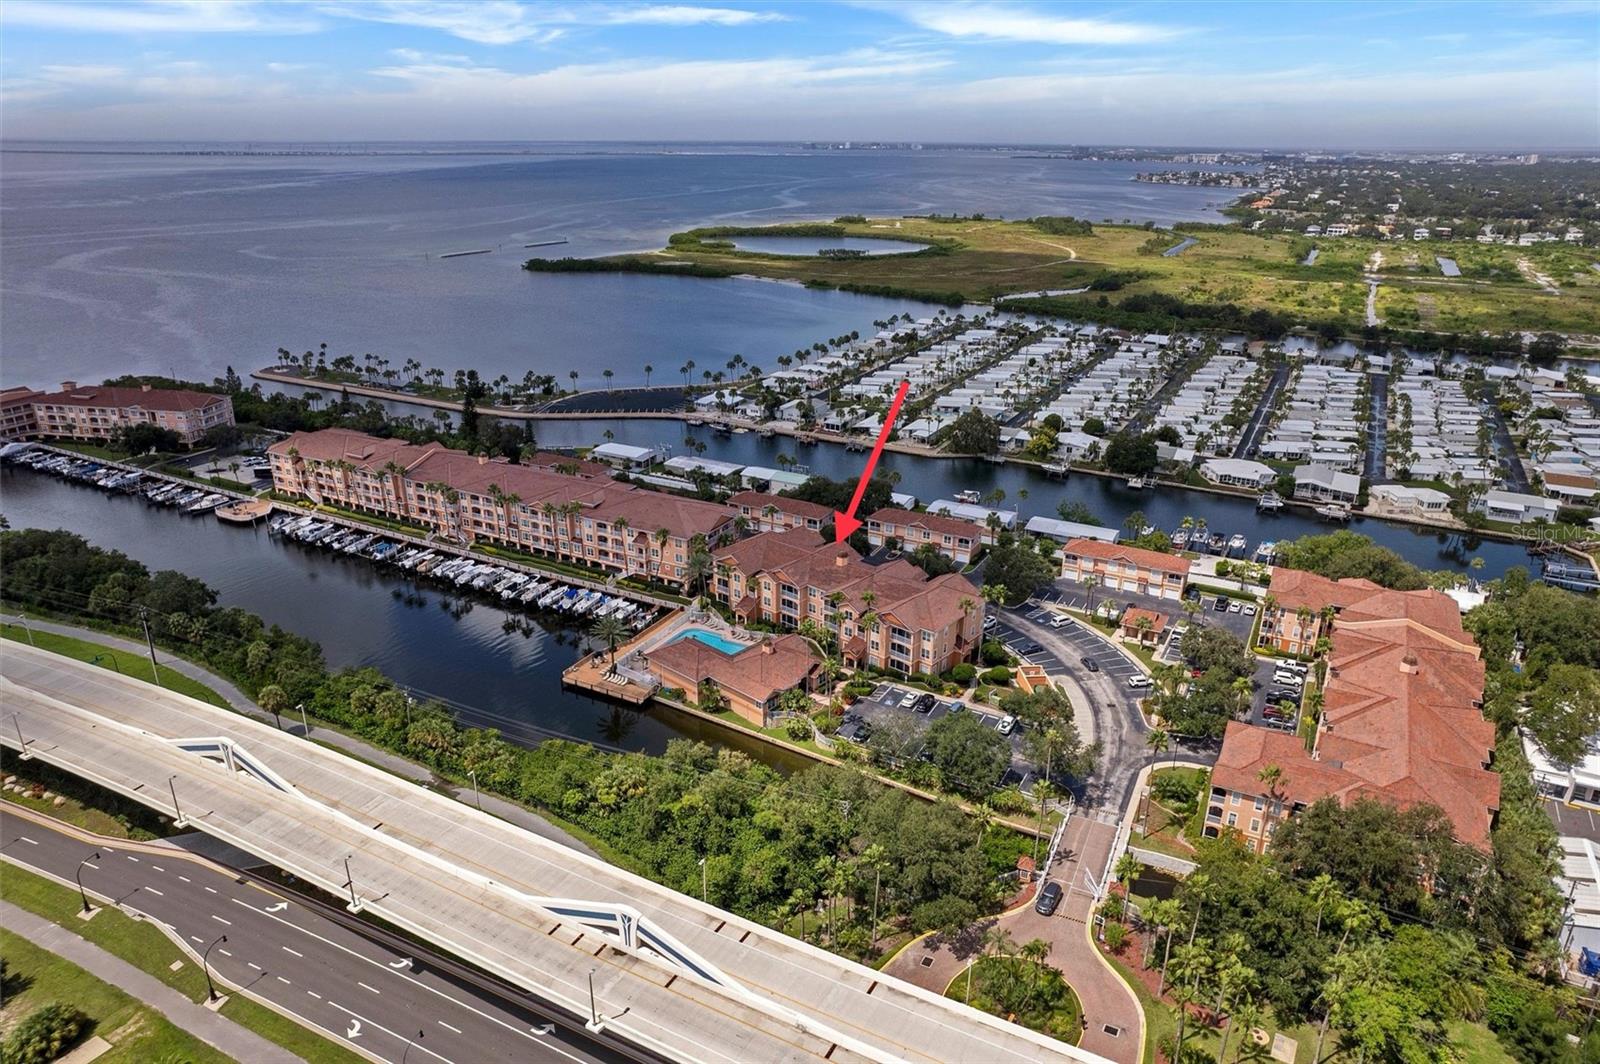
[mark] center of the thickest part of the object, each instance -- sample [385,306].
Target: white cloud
[81,74]
[175,16]
[1000,22]
[489,22]
[687,15]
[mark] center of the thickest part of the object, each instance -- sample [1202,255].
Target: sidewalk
[242,703]
[211,1028]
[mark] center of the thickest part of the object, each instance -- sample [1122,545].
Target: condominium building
[1300,607]
[764,512]
[1401,722]
[97,412]
[952,537]
[1116,567]
[890,616]
[550,506]
[752,680]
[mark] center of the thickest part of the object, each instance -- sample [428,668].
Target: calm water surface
[438,644]
[115,261]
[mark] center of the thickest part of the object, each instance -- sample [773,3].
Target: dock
[245,512]
[546,243]
[460,254]
[597,674]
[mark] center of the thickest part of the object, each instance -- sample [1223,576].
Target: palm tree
[1324,892]
[1271,775]
[1158,741]
[610,631]
[1090,582]
[1127,868]
[648,369]
[608,374]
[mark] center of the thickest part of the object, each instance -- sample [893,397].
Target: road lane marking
[254,965]
[153,890]
[197,938]
[184,878]
[220,920]
[27,840]
[374,989]
[224,952]
[356,1022]
[314,994]
[447,1027]
[158,868]
[211,890]
[295,952]
[131,857]
[284,981]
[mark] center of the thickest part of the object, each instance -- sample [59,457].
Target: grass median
[124,662]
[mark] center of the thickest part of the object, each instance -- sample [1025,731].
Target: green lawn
[146,948]
[137,1034]
[128,664]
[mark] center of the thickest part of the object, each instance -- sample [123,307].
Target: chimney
[767,647]
[1409,664]
[69,386]
[144,387]
[483,459]
[841,559]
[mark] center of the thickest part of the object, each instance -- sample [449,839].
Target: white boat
[968,496]
[1136,483]
[1269,500]
[1237,542]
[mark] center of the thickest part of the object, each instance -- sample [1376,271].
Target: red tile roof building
[889,616]
[97,412]
[1120,568]
[952,537]
[1401,722]
[777,513]
[752,680]
[579,517]
[1299,606]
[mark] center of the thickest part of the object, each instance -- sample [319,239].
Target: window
[1255,826]
[1233,819]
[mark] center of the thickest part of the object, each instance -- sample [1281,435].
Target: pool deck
[627,679]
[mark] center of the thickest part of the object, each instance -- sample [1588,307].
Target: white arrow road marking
[278,908]
[543,1028]
[403,962]
[417,1046]
[355,1029]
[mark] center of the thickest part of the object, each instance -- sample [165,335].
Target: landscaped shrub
[994,653]
[43,1035]
[1116,937]
[997,675]
[963,673]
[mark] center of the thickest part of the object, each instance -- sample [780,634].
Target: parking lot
[890,701]
[1091,648]
[1267,691]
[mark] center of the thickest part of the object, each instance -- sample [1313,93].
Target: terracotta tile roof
[940,523]
[1153,560]
[758,501]
[757,672]
[174,399]
[1401,720]
[601,498]
[18,395]
[1130,618]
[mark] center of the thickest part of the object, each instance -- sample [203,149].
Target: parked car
[1283,694]
[925,704]
[1138,681]
[1288,679]
[1029,648]
[1091,664]
[1049,898]
[1060,620]
[1008,724]
[1272,712]
[1220,604]
[1249,610]
[1234,607]
[908,700]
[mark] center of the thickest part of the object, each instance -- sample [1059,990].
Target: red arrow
[847,522]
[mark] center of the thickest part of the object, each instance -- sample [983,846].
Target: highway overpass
[670,974]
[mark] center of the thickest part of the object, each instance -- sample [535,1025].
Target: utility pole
[596,1022]
[144,619]
[703,885]
[177,810]
[205,963]
[476,797]
[78,874]
[305,725]
[350,882]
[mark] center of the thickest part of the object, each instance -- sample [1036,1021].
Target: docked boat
[1136,483]
[1180,539]
[1237,543]
[968,496]
[1333,512]
[1270,501]
[1266,551]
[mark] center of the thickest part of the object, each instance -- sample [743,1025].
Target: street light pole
[98,658]
[594,1023]
[350,882]
[703,891]
[78,875]
[144,619]
[476,797]
[22,744]
[177,810]
[407,1053]
[205,963]
[305,725]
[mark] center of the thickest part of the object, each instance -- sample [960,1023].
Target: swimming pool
[710,639]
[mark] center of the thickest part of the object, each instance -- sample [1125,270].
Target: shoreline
[905,447]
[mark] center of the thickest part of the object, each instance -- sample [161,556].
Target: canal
[1032,493]
[495,667]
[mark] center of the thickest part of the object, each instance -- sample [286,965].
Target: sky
[1352,74]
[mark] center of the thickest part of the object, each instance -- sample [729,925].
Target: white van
[1138,681]
[1284,676]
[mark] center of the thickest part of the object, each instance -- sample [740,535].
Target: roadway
[485,889]
[1251,437]
[1376,469]
[360,986]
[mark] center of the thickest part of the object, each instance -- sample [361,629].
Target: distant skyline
[1411,75]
